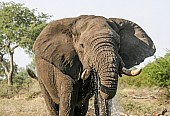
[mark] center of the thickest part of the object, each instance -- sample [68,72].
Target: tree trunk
[11,69]
[10,82]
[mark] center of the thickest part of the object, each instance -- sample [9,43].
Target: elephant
[71,53]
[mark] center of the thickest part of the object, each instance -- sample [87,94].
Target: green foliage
[156,73]
[2,71]
[19,26]
[21,78]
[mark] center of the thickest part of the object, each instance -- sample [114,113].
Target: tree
[3,72]
[19,27]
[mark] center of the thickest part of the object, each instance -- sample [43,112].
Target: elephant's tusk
[128,72]
[85,74]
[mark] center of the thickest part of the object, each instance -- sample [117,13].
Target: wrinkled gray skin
[68,46]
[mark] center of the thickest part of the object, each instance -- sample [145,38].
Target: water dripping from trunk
[114,106]
[99,103]
[96,93]
[104,107]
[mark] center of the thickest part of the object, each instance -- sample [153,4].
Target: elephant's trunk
[107,65]
[108,80]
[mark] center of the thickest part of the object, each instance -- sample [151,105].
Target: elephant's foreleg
[46,80]
[52,107]
[68,96]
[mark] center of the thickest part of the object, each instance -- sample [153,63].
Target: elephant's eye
[143,35]
[118,45]
[82,45]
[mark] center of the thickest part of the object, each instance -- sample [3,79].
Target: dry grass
[128,102]
[20,106]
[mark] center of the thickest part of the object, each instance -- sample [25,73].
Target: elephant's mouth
[108,88]
[124,71]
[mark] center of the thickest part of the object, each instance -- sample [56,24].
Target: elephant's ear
[135,44]
[54,44]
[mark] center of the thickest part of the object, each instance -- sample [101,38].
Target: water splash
[104,107]
[114,105]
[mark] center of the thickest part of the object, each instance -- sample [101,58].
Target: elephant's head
[108,46]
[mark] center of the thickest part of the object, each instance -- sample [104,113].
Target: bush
[156,73]
[22,85]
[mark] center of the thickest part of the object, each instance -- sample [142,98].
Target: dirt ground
[128,102]
[145,101]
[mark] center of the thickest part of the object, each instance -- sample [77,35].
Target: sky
[152,15]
